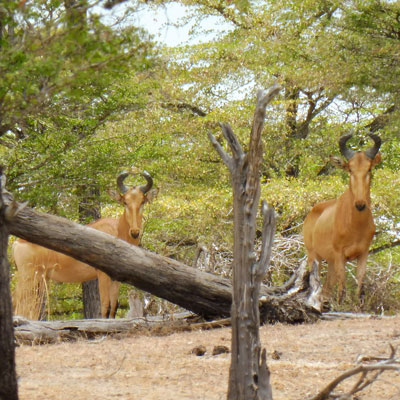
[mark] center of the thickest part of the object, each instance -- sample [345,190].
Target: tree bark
[89,210]
[91,299]
[8,379]
[249,374]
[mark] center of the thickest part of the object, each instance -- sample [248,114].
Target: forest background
[86,92]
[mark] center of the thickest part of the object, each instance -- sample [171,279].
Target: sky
[162,23]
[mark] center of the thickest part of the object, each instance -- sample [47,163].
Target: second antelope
[341,230]
[36,263]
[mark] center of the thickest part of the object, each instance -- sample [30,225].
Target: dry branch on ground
[368,375]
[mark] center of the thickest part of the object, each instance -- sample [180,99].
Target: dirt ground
[145,367]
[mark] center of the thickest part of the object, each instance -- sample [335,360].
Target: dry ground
[143,367]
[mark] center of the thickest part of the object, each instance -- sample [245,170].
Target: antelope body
[37,263]
[341,230]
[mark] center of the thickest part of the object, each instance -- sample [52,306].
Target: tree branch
[264,97]
[268,232]
[381,120]
[109,4]
[385,247]
[226,158]
[389,364]
[234,144]
[186,106]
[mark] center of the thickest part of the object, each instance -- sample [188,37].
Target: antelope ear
[151,195]
[115,195]
[376,160]
[339,163]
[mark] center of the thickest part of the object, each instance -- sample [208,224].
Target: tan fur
[39,264]
[336,231]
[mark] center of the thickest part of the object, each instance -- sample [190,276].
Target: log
[197,291]
[203,293]
[42,332]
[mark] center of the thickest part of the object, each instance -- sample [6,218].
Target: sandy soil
[143,367]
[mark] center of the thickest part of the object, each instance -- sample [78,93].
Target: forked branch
[368,375]
[239,157]
[237,152]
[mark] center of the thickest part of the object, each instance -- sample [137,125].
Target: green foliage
[180,219]
[65,75]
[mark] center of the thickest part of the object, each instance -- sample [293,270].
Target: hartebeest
[34,261]
[340,230]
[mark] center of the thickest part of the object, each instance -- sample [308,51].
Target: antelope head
[359,165]
[133,199]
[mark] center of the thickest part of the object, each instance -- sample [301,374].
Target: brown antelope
[36,261]
[340,230]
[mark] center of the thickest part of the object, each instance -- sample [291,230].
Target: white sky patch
[164,24]
[170,24]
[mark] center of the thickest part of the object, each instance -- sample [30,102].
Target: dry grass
[145,367]
[31,293]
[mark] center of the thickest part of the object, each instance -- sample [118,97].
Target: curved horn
[145,188]
[373,151]
[120,182]
[344,150]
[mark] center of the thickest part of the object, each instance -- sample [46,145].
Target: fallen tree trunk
[194,290]
[40,332]
[27,331]
[200,292]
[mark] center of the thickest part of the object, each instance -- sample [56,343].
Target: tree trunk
[89,210]
[91,299]
[249,374]
[8,379]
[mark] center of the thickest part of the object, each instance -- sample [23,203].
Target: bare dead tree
[249,374]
